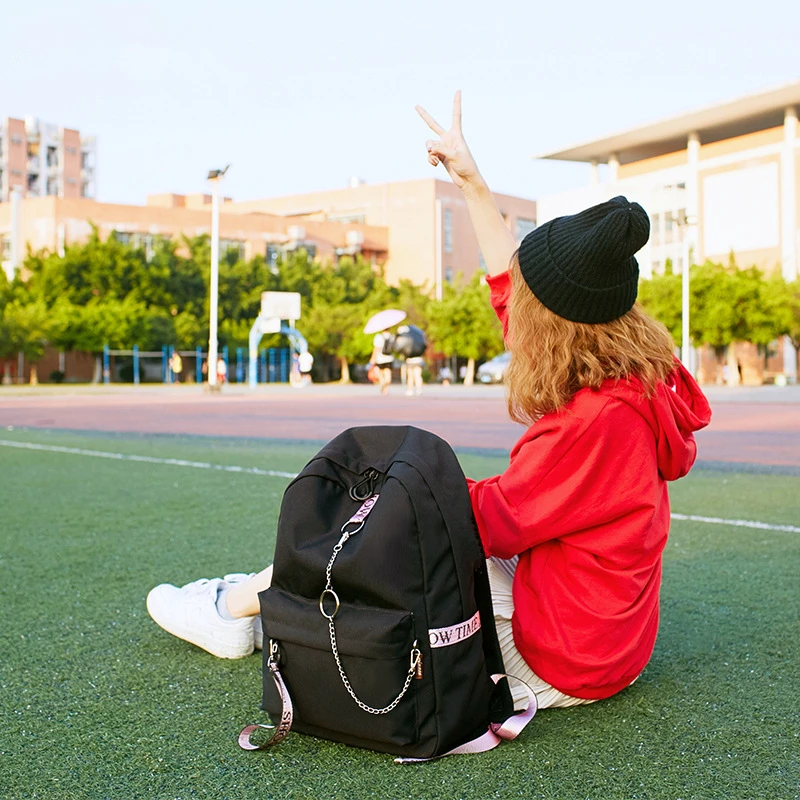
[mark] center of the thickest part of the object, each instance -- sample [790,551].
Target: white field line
[174,462]
[179,462]
[738,523]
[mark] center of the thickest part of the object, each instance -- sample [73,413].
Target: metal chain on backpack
[358,518]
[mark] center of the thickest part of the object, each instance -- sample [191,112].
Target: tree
[120,324]
[735,305]
[339,302]
[793,297]
[661,296]
[464,323]
[25,329]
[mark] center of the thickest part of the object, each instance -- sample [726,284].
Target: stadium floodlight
[214,178]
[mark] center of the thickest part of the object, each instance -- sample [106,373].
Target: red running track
[745,432]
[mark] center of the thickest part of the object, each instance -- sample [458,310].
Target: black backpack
[378,626]
[388,344]
[410,341]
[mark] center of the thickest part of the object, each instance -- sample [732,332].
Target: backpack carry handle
[287,709]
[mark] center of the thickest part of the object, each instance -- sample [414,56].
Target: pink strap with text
[497,732]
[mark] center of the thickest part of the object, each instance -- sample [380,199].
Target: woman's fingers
[430,121]
[442,151]
[457,111]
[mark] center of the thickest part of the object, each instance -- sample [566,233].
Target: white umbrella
[384,319]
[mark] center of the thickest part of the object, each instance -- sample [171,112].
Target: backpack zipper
[363,489]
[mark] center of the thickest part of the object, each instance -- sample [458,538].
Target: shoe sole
[207,643]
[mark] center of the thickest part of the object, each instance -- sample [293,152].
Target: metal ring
[353,532]
[322,608]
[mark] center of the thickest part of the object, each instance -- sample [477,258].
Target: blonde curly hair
[552,358]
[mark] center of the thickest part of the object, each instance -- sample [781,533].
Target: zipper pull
[416,662]
[367,482]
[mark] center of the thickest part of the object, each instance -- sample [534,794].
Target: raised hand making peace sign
[450,149]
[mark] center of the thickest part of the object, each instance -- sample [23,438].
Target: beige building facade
[415,230]
[430,237]
[52,223]
[721,180]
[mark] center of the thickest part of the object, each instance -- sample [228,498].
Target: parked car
[494,370]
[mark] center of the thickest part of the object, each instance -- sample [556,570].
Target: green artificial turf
[98,702]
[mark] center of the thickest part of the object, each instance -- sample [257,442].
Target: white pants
[501,577]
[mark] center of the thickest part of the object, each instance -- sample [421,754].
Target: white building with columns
[720,180]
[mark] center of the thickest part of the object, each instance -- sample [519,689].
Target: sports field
[98,702]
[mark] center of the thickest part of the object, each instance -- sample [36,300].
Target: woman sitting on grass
[576,526]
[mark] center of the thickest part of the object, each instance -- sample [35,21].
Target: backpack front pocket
[357,683]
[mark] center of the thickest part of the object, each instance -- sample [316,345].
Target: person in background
[176,365]
[305,363]
[222,371]
[414,375]
[382,359]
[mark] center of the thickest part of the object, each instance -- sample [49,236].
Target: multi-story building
[51,223]
[430,237]
[721,180]
[39,159]
[416,230]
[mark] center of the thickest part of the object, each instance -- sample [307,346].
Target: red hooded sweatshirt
[584,504]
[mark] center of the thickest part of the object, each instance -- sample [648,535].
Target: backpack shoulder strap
[508,730]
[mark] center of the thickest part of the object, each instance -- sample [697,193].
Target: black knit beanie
[582,267]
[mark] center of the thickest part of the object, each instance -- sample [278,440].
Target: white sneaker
[190,613]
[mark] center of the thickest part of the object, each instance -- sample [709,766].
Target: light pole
[685,226]
[214,178]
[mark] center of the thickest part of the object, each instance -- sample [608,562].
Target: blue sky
[303,94]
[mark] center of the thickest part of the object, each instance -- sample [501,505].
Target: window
[122,237]
[448,275]
[524,227]
[273,254]
[655,230]
[86,160]
[52,186]
[5,248]
[296,247]
[231,247]
[447,230]
[52,157]
[143,241]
